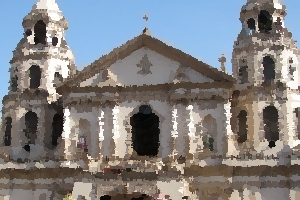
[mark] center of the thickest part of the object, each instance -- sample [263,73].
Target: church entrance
[270,119]
[145,132]
[31,123]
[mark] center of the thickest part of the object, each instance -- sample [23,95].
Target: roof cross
[146,19]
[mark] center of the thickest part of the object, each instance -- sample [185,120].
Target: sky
[203,29]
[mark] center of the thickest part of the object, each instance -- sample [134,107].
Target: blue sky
[203,29]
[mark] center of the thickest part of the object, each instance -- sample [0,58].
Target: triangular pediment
[145,67]
[146,60]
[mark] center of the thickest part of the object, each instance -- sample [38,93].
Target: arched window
[54,41]
[269,69]
[243,74]
[145,132]
[264,21]
[251,24]
[270,120]
[242,126]
[35,76]
[57,128]
[40,32]
[31,124]
[7,135]
[209,132]
[14,83]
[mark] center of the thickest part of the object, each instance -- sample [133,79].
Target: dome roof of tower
[46,5]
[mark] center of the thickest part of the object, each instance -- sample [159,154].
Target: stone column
[67,135]
[41,131]
[108,145]
[94,136]
[180,130]
[15,130]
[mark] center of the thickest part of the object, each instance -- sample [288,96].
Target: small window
[251,24]
[54,41]
[28,32]
[14,83]
[243,74]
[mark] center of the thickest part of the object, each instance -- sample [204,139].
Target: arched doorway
[57,128]
[242,131]
[31,123]
[105,197]
[7,135]
[35,76]
[145,132]
[270,119]
[209,133]
[269,70]
[40,32]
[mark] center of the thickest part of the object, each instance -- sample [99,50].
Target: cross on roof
[146,19]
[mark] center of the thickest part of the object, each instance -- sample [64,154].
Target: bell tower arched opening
[264,21]
[31,124]
[57,128]
[242,126]
[251,24]
[35,76]
[40,32]
[145,132]
[270,120]
[269,70]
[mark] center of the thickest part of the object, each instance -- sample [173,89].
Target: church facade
[148,121]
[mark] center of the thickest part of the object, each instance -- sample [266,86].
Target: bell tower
[42,58]
[32,112]
[265,65]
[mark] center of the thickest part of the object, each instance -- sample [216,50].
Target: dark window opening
[243,128]
[243,73]
[40,32]
[54,41]
[57,128]
[14,83]
[28,32]
[35,76]
[145,132]
[31,123]
[269,70]
[7,135]
[270,120]
[264,21]
[251,24]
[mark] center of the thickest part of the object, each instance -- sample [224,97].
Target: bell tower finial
[222,60]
